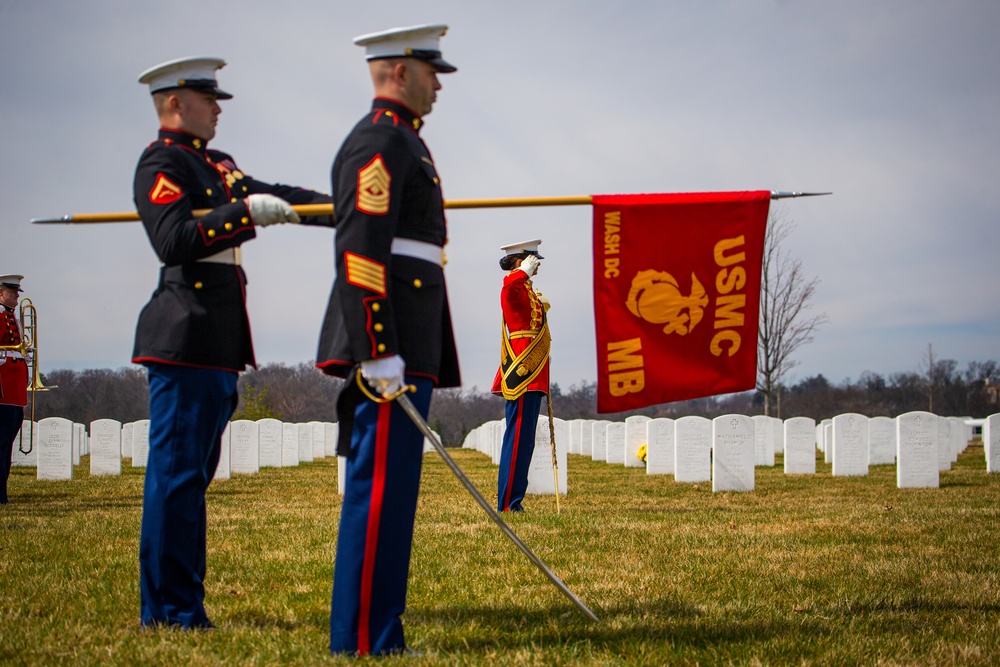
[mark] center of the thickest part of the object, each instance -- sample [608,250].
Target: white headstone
[944,443]
[635,437]
[881,441]
[991,442]
[55,448]
[692,449]
[225,469]
[850,445]
[660,446]
[269,435]
[599,439]
[575,436]
[561,436]
[827,441]
[318,430]
[106,447]
[587,437]
[289,444]
[615,435]
[499,429]
[733,445]
[800,446]
[959,440]
[330,434]
[341,474]
[27,439]
[763,440]
[78,444]
[778,429]
[244,447]
[916,450]
[305,442]
[127,440]
[140,443]
[541,481]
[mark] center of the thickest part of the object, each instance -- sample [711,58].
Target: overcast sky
[893,106]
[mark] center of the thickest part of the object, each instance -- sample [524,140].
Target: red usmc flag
[676,295]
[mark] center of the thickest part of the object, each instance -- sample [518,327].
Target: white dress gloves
[529,265]
[385,374]
[267,210]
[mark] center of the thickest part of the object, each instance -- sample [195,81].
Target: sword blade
[417,419]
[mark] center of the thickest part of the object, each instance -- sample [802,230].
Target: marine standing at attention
[388,318]
[523,376]
[193,336]
[13,376]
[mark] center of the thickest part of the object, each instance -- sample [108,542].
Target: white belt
[227,256]
[419,250]
[13,355]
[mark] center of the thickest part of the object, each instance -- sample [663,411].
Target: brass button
[244,220]
[244,188]
[417,283]
[211,233]
[208,191]
[376,307]
[381,347]
[229,226]
[198,285]
[378,326]
[233,200]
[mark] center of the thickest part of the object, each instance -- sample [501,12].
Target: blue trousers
[376,526]
[515,454]
[11,418]
[188,411]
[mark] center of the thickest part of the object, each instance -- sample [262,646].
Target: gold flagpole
[327,209]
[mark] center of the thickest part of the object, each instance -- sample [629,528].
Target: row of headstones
[247,446]
[726,449]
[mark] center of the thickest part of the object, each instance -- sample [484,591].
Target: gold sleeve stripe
[364,272]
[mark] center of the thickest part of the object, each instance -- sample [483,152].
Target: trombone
[28,348]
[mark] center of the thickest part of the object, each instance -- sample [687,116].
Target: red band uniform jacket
[14,372]
[524,319]
[197,315]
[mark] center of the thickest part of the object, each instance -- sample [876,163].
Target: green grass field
[806,570]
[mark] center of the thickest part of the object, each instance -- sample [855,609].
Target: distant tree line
[301,394]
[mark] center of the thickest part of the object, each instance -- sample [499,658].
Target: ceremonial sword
[411,411]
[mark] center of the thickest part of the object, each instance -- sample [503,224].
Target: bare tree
[786,293]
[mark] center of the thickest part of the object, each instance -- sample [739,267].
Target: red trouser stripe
[513,452]
[374,516]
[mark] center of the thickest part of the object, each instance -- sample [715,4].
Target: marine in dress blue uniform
[389,315]
[13,377]
[194,334]
[523,376]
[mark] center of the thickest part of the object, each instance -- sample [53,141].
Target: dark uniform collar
[184,139]
[8,309]
[405,114]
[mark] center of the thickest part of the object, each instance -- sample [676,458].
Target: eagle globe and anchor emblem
[656,297]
